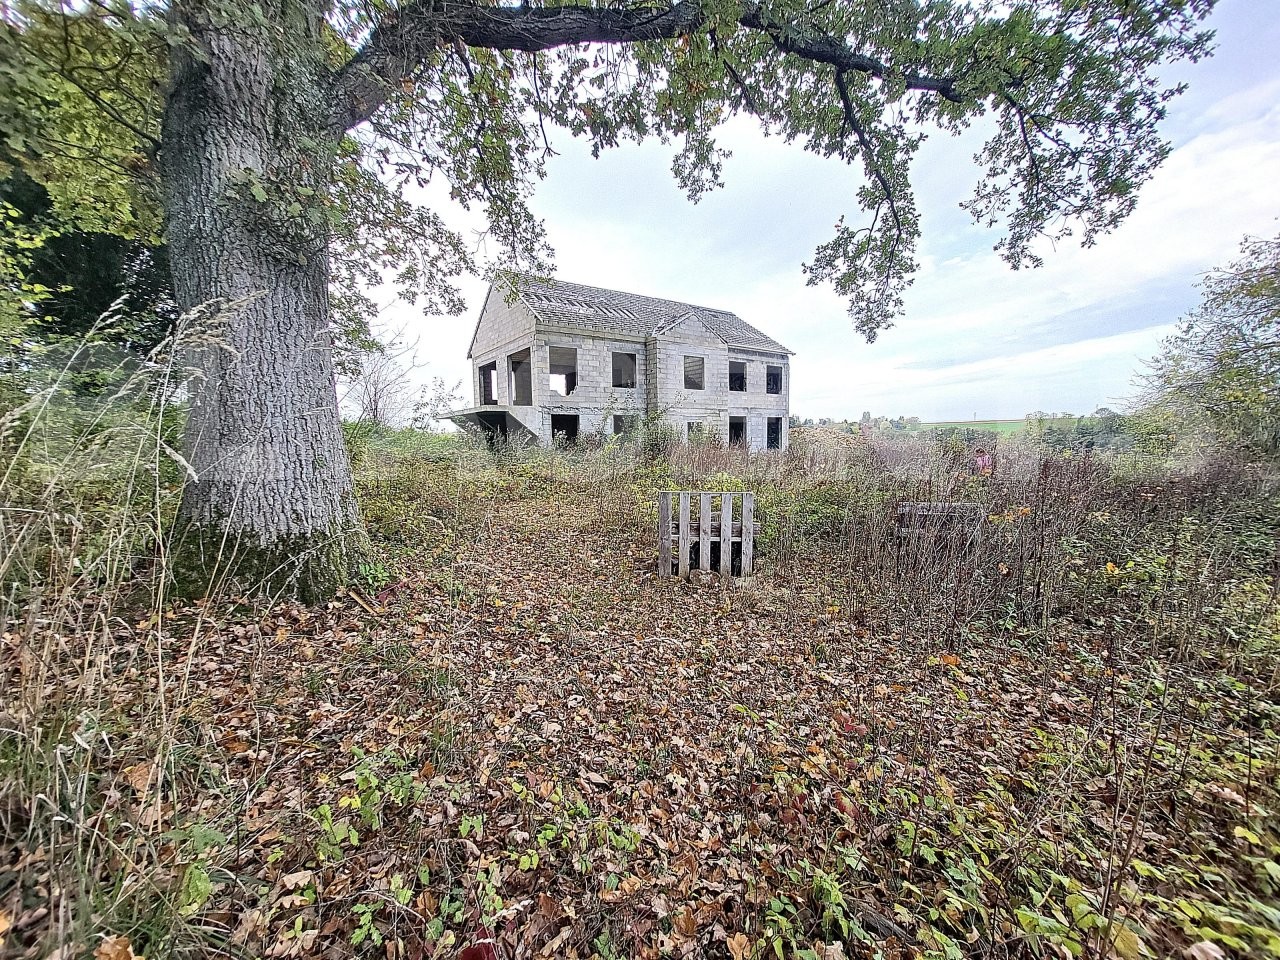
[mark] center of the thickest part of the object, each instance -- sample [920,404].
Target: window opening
[562,370]
[564,429]
[489,384]
[773,379]
[694,373]
[624,369]
[520,381]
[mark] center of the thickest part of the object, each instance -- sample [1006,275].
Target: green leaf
[1127,943]
[1244,833]
[196,889]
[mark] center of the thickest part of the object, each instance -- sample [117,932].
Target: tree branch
[748,97]
[869,155]
[822,48]
[407,40]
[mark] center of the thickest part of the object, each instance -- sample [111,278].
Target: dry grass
[1053,733]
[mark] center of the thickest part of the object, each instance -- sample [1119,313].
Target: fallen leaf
[1127,944]
[481,948]
[294,881]
[115,947]
[139,776]
[1204,950]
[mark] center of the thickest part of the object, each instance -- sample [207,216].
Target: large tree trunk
[271,504]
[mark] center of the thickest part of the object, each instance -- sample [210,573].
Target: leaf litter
[535,746]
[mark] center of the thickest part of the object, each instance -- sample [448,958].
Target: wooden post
[684,533]
[748,531]
[726,534]
[704,532]
[664,533]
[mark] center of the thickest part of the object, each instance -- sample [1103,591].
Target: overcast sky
[977,339]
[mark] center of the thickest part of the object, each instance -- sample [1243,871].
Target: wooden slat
[704,531]
[748,531]
[715,527]
[735,529]
[684,533]
[726,534]
[664,533]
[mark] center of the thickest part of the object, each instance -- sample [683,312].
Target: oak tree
[281,142]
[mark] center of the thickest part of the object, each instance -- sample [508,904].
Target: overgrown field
[512,739]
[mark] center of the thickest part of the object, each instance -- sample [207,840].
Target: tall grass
[1189,548]
[89,483]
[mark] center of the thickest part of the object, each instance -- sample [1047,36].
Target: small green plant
[604,946]
[334,834]
[781,926]
[452,910]
[401,892]
[194,842]
[366,929]
[313,681]
[373,575]
[380,779]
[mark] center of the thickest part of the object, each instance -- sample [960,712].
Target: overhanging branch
[407,40]
[872,162]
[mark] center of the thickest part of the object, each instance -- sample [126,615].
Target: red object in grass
[481,949]
[390,591]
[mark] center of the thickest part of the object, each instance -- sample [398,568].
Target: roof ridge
[628,293]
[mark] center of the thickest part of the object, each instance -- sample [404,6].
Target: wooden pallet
[940,517]
[687,517]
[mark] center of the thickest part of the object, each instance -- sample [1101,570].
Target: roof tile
[613,311]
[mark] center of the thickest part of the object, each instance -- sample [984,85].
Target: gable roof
[613,311]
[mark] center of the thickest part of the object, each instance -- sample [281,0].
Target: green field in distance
[999,426]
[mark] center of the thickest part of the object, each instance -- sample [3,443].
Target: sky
[977,340]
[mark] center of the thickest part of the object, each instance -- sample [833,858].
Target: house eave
[783,352]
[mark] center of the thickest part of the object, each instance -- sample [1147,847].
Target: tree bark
[271,505]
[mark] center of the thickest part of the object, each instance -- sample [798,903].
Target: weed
[373,575]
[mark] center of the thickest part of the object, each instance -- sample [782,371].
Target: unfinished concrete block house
[563,359]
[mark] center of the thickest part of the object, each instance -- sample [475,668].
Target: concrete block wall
[595,400]
[503,329]
[680,407]
[651,381]
[757,405]
[595,370]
